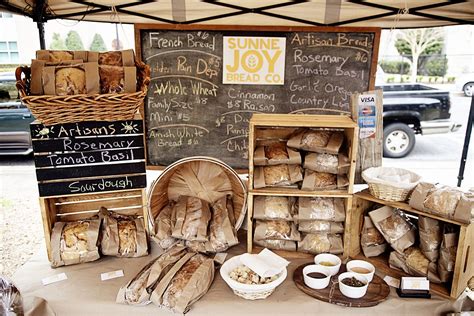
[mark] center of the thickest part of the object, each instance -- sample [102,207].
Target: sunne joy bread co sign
[254,60]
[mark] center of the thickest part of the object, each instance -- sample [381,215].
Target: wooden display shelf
[263,127]
[463,269]
[77,207]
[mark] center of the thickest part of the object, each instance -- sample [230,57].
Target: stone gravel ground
[21,229]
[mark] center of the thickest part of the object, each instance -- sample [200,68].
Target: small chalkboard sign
[89,157]
[207,81]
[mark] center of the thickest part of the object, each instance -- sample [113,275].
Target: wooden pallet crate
[281,126]
[77,207]
[463,269]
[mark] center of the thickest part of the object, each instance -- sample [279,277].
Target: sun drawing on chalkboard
[43,131]
[129,128]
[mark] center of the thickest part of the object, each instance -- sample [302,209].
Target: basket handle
[21,84]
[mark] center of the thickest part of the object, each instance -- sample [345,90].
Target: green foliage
[419,78]
[97,44]
[74,41]
[57,43]
[451,79]
[395,67]
[391,79]
[436,67]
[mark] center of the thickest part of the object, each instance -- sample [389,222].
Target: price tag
[111,275]
[392,281]
[54,278]
[220,257]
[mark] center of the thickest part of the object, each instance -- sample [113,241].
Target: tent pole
[41,34]
[467,139]
[39,16]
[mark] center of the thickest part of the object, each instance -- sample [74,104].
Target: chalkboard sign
[207,81]
[87,157]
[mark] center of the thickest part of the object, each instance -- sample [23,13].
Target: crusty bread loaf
[70,81]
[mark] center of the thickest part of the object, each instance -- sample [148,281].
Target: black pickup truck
[410,109]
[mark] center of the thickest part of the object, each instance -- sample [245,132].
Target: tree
[97,44]
[74,41]
[57,43]
[416,42]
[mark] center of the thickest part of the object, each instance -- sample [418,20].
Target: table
[83,293]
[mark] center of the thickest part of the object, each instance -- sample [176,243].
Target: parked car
[465,83]
[410,109]
[15,119]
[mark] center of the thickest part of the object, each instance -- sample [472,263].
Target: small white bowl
[352,291]
[314,283]
[361,264]
[335,260]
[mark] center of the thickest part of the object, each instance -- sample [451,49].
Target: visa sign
[254,60]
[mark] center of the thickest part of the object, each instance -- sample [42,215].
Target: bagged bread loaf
[37,66]
[11,302]
[335,164]
[430,237]
[320,141]
[317,226]
[323,181]
[122,58]
[443,201]
[163,228]
[61,55]
[273,208]
[115,79]
[184,284]
[137,291]
[82,78]
[394,227]
[287,245]
[321,208]
[275,154]
[371,240]
[222,233]
[321,243]
[277,176]
[447,252]
[75,242]
[192,218]
[280,230]
[413,262]
[122,236]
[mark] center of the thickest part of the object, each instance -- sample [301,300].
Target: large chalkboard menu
[206,82]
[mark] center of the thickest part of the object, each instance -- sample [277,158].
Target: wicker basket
[390,191]
[53,109]
[249,291]
[158,194]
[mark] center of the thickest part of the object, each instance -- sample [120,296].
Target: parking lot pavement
[437,157]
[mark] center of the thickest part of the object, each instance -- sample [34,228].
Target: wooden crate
[89,157]
[463,269]
[76,207]
[271,126]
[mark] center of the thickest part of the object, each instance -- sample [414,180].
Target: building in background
[19,36]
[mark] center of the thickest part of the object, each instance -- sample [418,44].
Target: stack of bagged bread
[83,72]
[109,234]
[434,255]
[174,280]
[200,210]
[444,201]
[307,224]
[311,159]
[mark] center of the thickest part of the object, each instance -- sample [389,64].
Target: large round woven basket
[54,109]
[158,194]
[387,190]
